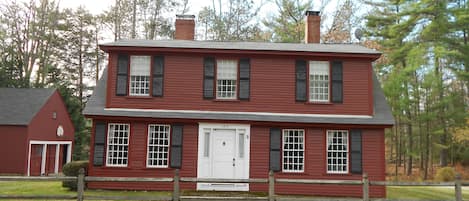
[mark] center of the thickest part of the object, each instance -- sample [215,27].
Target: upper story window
[293,150]
[337,151]
[227,76]
[227,79]
[319,81]
[117,144]
[139,76]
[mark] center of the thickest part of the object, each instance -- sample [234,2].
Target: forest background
[424,69]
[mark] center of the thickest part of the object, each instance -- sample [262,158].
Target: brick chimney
[312,27]
[185,26]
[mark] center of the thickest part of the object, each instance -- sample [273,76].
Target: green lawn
[55,188]
[424,193]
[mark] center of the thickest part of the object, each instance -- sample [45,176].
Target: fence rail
[82,179]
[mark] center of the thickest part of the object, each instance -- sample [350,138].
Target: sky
[97,6]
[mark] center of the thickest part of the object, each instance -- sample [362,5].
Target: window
[117,144]
[319,81]
[140,75]
[337,151]
[293,150]
[227,75]
[158,145]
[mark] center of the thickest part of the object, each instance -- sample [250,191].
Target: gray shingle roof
[382,116]
[289,47]
[19,106]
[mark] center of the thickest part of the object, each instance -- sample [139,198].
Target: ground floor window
[158,145]
[293,150]
[117,144]
[337,151]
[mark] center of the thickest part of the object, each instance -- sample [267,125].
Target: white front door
[223,154]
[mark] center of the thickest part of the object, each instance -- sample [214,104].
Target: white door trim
[205,161]
[44,154]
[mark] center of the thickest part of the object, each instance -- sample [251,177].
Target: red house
[36,132]
[237,110]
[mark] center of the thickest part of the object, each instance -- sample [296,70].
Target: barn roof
[382,112]
[256,46]
[18,106]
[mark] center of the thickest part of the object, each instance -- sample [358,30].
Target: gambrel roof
[18,106]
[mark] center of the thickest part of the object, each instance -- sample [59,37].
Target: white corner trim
[241,113]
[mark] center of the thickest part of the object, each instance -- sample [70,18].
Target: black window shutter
[209,76]
[275,145]
[244,78]
[356,151]
[300,72]
[176,145]
[337,82]
[158,74]
[122,74]
[99,141]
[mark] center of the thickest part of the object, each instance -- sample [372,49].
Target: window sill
[291,173]
[226,100]
[114,167]
[340,174]
[319,103]
[139,97]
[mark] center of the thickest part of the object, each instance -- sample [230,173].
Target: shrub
[71,169]
[445,174]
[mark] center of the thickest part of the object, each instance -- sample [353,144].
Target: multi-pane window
[227,75]
[139,75]
[319,81]
[158,145]
[337,151]
[293,150]
[117,144]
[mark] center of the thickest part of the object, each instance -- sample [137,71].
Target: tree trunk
[134,18]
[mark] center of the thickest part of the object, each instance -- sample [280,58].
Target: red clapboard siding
[44,127]
[315,163]
[13,149]
[272,87]
[137,162]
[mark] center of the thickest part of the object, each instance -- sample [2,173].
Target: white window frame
[284,131]
[329,139]
[224,66]
[168,131]
[320,87]
[108,144]
[141,73]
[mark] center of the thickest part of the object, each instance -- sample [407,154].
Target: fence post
[271,186]
[80,184]
[457,187]
[176,185]
[366,187]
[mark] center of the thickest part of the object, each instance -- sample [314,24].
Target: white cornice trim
[240,113]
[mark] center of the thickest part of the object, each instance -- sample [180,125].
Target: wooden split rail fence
[176,196]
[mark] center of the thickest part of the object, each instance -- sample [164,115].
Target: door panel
[36,159]
[223,153]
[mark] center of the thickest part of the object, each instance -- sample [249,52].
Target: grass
[55,188]
[423,193]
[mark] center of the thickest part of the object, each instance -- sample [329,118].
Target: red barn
[36,132]
[236,110]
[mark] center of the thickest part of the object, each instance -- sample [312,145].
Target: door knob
[234,161]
